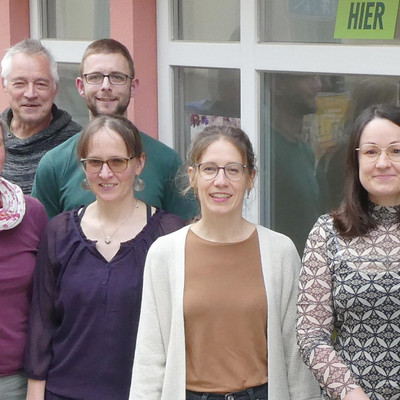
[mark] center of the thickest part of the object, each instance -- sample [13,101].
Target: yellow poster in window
[366,19]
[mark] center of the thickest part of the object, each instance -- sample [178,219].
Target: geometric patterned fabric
[350,291]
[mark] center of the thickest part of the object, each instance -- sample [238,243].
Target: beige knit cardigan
[159,364]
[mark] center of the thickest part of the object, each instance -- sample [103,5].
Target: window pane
[75,19]
[68,97]
[204,96]
[207,20]
[305,21]
[306,122]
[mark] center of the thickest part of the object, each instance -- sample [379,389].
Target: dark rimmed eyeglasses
[209,170]
[95,165]
[372,152]
[115,78]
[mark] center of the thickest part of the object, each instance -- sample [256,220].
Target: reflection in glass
[306,124]
[204,96]
[305,21]
[68,97]
[75,19]
[207,20]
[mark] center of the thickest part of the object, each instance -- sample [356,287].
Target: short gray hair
[29,47]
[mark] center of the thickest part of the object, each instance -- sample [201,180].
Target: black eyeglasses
[209,170]
[115,78]
[116,164]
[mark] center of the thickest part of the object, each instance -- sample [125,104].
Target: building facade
[277,68]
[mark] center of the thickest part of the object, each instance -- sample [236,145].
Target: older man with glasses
[35,124]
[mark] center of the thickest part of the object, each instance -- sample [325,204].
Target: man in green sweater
[107,83]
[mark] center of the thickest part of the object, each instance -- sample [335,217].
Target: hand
[35,389]
[356,394]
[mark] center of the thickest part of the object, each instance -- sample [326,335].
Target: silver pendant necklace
[107,239]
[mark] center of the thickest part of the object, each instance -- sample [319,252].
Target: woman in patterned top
[350,278]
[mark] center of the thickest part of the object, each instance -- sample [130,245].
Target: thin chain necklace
[107,238]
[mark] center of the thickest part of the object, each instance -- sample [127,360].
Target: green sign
[366,19]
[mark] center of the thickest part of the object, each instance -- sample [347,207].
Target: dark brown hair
[108,46]
[352,218]
[120,125]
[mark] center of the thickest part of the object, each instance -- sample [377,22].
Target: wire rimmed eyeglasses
[372,152]
[115,78]
[95,165]
[210,170]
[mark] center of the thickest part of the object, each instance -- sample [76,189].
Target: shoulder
[62,232]
[166,243]
[62,222]
[165,257]
[323,223]
[35,212]
[275,239]
[278,253]
[152,146]
[34,205]
[62,123]
[64,149]
[323,235]
[170,219]
[72,126]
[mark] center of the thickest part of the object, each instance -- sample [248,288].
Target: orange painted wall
[14,27]
[133,22]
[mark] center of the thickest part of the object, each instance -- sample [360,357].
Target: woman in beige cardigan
[218,310]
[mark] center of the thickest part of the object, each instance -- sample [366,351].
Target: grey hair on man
[29,47]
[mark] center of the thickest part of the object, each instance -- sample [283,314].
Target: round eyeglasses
[209,170]
[115,78]
[372,152]
[116,164]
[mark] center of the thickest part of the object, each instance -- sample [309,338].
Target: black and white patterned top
[349,308]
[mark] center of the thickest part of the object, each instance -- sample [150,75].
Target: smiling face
[106,184]
[105,98]
[221,196]
[381,179]
[31,90]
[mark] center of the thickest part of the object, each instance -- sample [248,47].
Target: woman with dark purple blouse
[88,281]
[22,221]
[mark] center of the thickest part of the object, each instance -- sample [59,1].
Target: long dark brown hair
[352,218]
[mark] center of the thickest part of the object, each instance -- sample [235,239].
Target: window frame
[64,51]
[253,58]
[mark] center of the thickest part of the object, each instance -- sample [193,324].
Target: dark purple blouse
[85,310]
